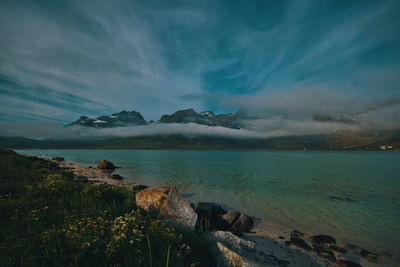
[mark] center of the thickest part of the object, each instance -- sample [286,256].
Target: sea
[353,196]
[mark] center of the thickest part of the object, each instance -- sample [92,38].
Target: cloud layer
[283,60]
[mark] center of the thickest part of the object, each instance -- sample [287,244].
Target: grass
[48,219]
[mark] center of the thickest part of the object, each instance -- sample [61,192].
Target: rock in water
[116,176]
[369,255]
[167,202]
[106,165]
[243,224]
[324,240]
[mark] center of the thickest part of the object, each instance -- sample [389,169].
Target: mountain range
[131,118]
[123,118]
[236,120]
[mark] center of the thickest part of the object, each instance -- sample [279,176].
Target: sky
[60,60]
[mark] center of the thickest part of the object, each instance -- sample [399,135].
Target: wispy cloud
[60,60]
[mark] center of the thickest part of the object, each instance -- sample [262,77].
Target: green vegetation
[48,219]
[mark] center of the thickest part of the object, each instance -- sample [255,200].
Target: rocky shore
[236,241]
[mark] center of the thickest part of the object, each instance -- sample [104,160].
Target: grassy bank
[48,219]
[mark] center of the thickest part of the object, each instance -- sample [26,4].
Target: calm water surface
[296,189]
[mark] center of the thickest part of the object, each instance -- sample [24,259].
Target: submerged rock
[369,255]
[324,240]
[347,199]
[166,202]
[105,165]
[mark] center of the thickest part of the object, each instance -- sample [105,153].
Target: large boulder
[151,199]
[106,165]
[228,219]
[178,208]
[209,215]
[166,202]
[243,224]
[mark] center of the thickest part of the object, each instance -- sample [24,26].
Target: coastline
[269,238]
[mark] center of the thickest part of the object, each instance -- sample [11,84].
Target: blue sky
[63,59]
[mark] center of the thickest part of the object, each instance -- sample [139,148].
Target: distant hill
[310,142]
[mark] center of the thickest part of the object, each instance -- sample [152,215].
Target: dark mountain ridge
[123,118]
[131,118]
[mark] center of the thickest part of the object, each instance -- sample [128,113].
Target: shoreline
[205,149]
[269,238]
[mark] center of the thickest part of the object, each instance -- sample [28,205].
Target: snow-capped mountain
[123,118]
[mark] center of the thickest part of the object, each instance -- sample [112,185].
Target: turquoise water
[291,188]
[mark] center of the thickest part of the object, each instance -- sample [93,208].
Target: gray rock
[178,208]
[166,202]
[233,251]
